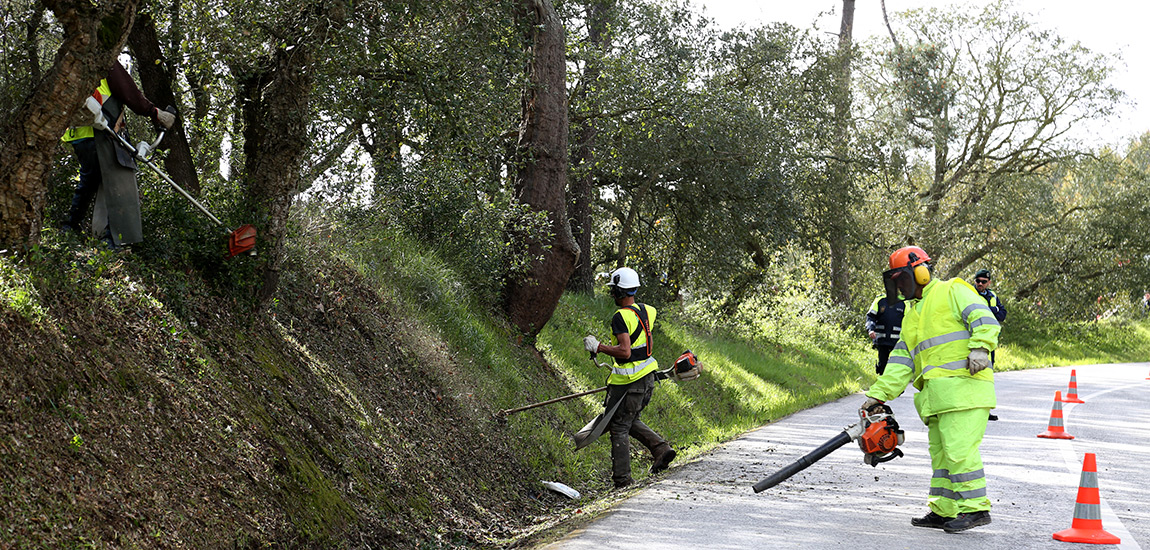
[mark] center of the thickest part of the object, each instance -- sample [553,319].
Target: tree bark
[627,224]
[583,184]
[541,180]
[275,106]
[93,36]
[156,83]
[840,171]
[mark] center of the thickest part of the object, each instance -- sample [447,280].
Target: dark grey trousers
[626,424]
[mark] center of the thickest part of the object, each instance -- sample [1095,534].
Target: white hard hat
[624,278]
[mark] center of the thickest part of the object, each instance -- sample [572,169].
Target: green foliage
[1031,338]
[17,292]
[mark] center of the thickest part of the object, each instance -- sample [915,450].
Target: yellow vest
[938,332]
[641,362]
[75,133]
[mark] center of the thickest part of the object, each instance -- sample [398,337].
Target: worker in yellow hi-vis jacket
[632,378]
[944,349]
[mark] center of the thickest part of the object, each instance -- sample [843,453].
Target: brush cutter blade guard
[242,240]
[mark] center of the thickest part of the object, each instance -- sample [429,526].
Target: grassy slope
[144,409]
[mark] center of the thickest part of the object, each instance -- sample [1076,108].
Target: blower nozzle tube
[801,464]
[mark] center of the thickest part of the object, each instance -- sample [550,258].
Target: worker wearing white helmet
[632,378]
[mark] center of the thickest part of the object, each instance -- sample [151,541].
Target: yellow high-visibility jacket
[102,93]
[641,362]
[938,332]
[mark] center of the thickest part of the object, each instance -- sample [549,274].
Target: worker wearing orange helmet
[944,349]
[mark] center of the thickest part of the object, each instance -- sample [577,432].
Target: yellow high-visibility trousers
[958,485]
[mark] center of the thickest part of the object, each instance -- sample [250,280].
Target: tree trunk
[627,224]
[156,83]
[275,106]
[93,35]
[31,49]
[583,184]
[541,180]
[841,172]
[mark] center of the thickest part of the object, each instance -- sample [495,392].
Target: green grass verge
[745,384]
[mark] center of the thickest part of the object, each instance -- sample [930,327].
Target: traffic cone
[1087,524]
[1055,430]
[1072,391]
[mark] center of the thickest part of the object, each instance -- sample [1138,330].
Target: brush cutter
[878,436]
[240,240]
[687,367]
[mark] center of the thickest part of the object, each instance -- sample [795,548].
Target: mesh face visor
[891,279]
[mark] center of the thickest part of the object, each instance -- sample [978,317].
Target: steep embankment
[146,409]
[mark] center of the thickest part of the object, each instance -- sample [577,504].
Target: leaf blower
[878,436]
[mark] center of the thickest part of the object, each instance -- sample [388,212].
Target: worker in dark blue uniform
[883,324]
[982,285]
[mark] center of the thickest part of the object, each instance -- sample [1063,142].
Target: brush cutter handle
[145,149]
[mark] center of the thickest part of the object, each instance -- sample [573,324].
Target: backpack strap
[641,314]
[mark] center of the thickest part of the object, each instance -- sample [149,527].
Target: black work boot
[932,520]
[663,458]
[967,521]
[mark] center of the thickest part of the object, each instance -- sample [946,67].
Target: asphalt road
[840,502]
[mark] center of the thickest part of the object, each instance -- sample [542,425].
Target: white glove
[165,119]
[870,402]
[872,335]
[979,359]
[591,344]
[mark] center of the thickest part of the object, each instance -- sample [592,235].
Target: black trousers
[883,356]
[90,180]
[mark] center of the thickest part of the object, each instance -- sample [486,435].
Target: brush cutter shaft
[136,154]
[550,401]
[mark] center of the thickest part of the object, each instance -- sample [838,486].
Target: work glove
[591,344]
[165,119]
[869,403]
[979,359]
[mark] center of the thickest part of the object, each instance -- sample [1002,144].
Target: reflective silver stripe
[632,370]
[900,360]
[939,340]
[966,312]
[960,478]
[640,346]
[902,345]
[1087,511]
[985,321]
[953,365]
[957,495]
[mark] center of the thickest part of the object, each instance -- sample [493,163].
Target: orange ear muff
[921,274]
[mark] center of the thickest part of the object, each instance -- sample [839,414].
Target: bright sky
[1105,26]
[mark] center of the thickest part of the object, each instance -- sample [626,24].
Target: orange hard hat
[908,256]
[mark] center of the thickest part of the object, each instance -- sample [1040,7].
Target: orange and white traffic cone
[1072,391]
[1087,524]
[1055,429]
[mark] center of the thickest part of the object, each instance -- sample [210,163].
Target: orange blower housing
[880,440]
